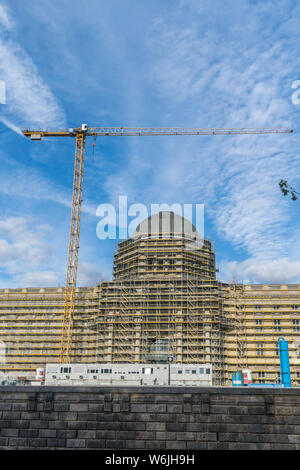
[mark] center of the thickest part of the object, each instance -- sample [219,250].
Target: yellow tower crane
[80,135]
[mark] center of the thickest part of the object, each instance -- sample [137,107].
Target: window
[278,377]
[294,307]
[194,371]
[276,322]
[208,371]
[147,370]
[201,370]
[65,370]
[295,322]
[258,322]
[179,371]
[259,350]
[257,307]
[276,307]
[277,328]
[296,328]
[297,348]
[187,371]
[261,374]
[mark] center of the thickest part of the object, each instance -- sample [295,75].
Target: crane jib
[151,131]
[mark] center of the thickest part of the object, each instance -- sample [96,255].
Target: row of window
[277,322]
[278,328]
[276,307]
[67,370]
[194,371]
[145,370]
[262,375]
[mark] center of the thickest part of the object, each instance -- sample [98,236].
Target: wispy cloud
[29,101]
[177,65]
[25,182]
[257,270]
[28,259]
[221,81]
[89,275]
[23,247]
[5,18]
[36,279]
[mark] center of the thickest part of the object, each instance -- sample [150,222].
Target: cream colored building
[164,304]
[263,313]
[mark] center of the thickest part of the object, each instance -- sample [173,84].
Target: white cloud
[11,125]
[22,247]
[27,182]
[37,279]
[89,275]
[229,79]
[29,100]
[207,70]
[257,270]
[30,256]
[5,18]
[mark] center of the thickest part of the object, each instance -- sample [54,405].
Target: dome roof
[166,224]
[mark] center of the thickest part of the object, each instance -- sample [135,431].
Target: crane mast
[70,290]
[80,135]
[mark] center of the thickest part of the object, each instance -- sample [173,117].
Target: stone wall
[154,418]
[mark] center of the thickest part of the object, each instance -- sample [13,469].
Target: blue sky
[131,63]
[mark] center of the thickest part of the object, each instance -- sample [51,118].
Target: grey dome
[166,224]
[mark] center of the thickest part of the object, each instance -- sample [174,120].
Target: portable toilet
[237,379]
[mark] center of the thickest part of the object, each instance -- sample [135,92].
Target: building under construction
[164,304]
